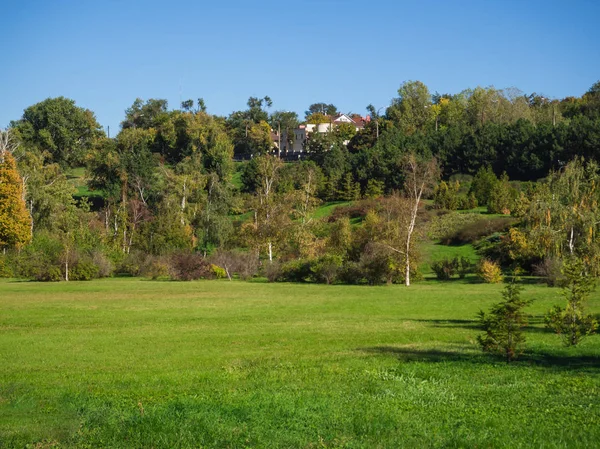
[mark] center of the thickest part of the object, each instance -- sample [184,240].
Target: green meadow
[132,363]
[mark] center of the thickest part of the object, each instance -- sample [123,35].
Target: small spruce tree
[503,325]
[571,322]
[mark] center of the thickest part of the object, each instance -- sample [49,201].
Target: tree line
[167,184]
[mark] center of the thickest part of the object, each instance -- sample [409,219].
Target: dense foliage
[167,184]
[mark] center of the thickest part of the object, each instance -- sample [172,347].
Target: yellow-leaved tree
[15,222]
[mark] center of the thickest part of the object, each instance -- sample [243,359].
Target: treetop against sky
[105,54]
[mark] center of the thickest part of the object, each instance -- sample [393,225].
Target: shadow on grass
[536,324]
[590,363]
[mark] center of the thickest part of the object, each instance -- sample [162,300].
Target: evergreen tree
[503,325]
[571,322]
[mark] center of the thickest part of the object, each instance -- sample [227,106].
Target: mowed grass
[126,363]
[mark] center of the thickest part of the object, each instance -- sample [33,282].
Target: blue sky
[104,54]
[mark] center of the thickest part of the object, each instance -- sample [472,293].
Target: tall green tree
[411,111]
[59,130]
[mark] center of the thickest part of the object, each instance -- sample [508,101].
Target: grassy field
[126,363]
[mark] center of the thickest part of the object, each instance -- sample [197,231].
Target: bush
[5,268]
[489,271]
[156,267]
[551,269]
[245,265]
[190,266]
[132,264]
[273,271]
[444,224]
[377,265]
[83,270]
[326,268]
[296,271]
[475,230]
[104,264]
[446,268]
[218,272]
[359,209]
[350,273]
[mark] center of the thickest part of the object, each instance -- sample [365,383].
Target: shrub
[104,264]
[245,265]
[5,268]
[446,268]
[83,270]
[296,271]
[326,268]
[472,231]
[503,325]
[272,271]
[132,264]
[551,269]
[489,271]
[50,274]
[218,272]
[350,273]
[377,265]
[358,209]
[156,267]
[443,225]
[190,266]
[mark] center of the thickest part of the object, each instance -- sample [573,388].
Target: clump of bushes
[156,267]
[190,266]
[489,271]
[5,268]
[243,264]
[445,269]
[295,271]
[551,269]
[327,268]
[359,209]
[475,230]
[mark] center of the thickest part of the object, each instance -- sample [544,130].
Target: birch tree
[421,176]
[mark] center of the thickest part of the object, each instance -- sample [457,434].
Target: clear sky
[104,54]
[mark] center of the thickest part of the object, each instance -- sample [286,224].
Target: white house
[301,133]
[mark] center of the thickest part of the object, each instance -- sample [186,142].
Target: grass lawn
[126,363]
[326,209]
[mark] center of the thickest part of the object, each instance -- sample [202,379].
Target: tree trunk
[411,228]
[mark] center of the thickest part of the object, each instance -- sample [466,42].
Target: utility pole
[377,121]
